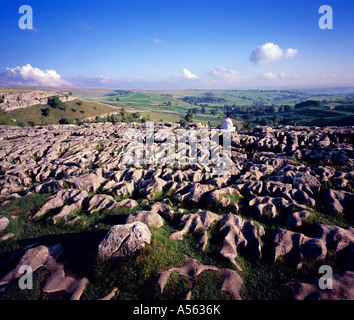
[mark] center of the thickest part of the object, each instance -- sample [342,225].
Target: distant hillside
[67,112]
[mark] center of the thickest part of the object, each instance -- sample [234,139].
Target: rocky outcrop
[299,246]
[337,200]
[46,256]
[191,222]
[342,288]
[123,240]
[24,99]
[240,234]
[232,282]
[68,200]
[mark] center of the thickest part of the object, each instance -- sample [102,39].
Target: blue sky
[177,44]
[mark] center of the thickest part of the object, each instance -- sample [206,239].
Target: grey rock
[123,240]
[4,222]
[150,218]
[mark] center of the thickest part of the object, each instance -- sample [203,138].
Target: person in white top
[227,124]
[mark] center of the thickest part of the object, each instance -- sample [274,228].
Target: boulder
[4,222]
[123,240]
[150,218]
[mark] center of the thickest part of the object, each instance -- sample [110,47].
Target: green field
[168,105]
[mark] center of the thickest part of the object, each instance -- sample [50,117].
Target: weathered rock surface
[150,218]
[4,222]
[299,246]
[342,289]
[240,234]
[16,100]
[232,282]
[290,176]
[337,200]
[43,256]
[123,240]
[74,197]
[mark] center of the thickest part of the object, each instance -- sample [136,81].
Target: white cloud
[189,75]
[290,53]
[224,73]
[27,75]
[270,52]
[268,76]
[157,40]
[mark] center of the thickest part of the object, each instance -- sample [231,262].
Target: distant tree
[136,115]
[183,122]
[46,111]
[264,121]
[306,103]
[287,108]
[66,121]
[169,104]
[214,112]
[189,116]
[277,119]
[247,116]
[203,109]
[123,112]
[55,102]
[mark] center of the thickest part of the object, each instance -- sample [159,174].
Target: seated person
[227,124]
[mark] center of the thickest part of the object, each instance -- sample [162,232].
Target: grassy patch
[135,275]
[13,291]
[71,110]
[176,287]
[208,286]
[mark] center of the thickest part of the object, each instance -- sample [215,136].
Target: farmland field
[172,105]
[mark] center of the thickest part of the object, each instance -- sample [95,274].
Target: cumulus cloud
[224,73]
[189,75]
[270,52]
[28,75]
